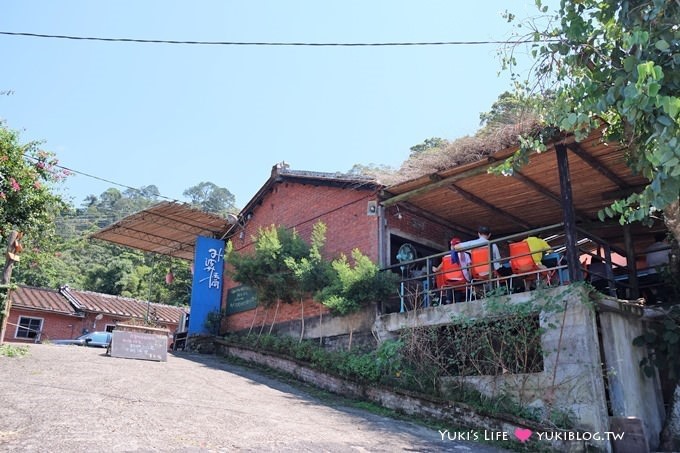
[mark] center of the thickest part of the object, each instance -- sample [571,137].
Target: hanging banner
[206,288]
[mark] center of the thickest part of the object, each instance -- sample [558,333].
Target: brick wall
[61,326]
[285,313]
[301,206]
[54,325]
[408,224]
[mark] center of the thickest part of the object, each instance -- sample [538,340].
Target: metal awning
[168,228]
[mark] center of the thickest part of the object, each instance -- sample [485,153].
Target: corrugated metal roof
[124,306]
[167,228]
[41,299]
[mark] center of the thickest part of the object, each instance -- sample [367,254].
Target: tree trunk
[252,324]
[302,319]
[7,271]
[670,436]
[5,305]
[12,256]
[262,326]
[349,344]
[276,311]
[672,219]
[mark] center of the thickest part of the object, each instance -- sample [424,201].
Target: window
[29,327]
[110,327]
[101,338]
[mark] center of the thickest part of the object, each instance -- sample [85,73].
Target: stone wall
[571,380]
[447,413]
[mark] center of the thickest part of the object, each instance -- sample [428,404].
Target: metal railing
[416,285]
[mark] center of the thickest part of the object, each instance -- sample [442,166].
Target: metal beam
[630,262]
[622,193]
[546,193]
[171,245]
[485,204]
[573,263]
[435,218]
[434,185]
[597,165]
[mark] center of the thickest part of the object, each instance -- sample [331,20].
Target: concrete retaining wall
[454,415]
[571,380]
[631,393]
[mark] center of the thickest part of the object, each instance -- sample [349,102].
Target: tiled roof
[123,306]
[41,299]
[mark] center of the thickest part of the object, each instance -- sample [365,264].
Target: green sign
[241,298]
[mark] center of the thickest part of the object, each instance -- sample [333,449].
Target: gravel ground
[77,399]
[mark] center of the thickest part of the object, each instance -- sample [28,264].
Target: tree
[511,108]
[266,271]
[429,143]
[311,272]
[27,205]
[26,178]
[616,63]
[211,198]
[354,286]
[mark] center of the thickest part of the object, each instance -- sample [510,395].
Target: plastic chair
[480,267]
[481,263]
[522,263]
[451,277]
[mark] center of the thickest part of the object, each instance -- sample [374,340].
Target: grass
[334,400]
[7,350]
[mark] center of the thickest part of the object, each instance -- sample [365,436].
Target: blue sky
[176,115]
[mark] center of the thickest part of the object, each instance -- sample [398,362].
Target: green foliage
[371,171]
[27,177]
[311,272]
[662,342]
[512,107]
[284,268]
[8,350]
[434,143]
[208,197]
[266,270]
[213,321]
[617,63]
[387,366]
[355,286]
[358,366]
[56,248]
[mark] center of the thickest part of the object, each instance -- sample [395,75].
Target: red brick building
[39,314]
[348,206]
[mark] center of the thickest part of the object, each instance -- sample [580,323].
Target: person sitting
[597,274]
[457,260]
[539,248]
[484,234]
[658,253]
[657,256]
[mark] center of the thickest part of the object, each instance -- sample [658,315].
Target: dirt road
[77,399]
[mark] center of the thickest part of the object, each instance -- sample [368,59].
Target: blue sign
[206,288]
